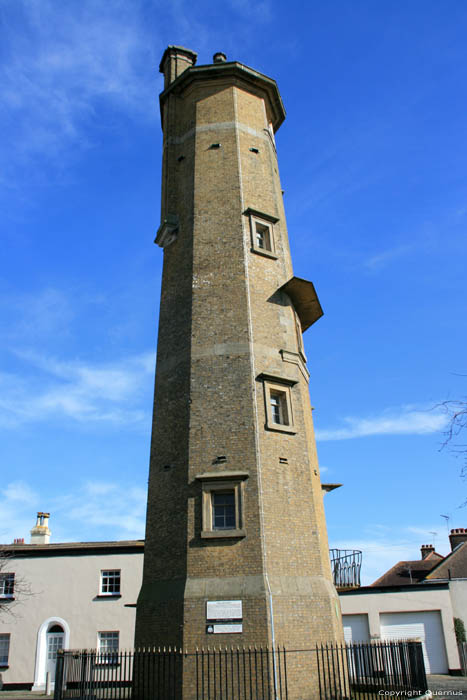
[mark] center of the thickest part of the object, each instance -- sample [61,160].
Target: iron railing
[462,647]
[328,671]
[346,565]
[158,674]
[366,671]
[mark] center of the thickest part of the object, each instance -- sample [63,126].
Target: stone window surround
[257,217]
[213,482]
[283,386]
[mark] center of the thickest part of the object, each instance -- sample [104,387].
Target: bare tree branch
[456,411]
[13,588]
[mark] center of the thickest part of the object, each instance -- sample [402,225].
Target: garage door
[425,626]
[356,628]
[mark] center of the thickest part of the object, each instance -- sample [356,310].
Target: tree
[456,412]
[13,588]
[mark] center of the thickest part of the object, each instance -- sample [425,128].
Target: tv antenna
[447,519]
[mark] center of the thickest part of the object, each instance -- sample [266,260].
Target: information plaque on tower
[224,610]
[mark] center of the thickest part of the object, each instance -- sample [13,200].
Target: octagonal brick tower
[235,510]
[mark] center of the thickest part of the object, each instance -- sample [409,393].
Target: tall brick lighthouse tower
[236,545]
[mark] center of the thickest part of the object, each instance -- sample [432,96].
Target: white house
[66,595]
[415,600]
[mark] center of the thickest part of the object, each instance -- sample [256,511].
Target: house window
[107,647]
[223,510]
[7,585]
[4,649]
[110,582]
[223,503]
[262,233]
[278,404]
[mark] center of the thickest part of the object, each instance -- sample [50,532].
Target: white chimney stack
[40,533]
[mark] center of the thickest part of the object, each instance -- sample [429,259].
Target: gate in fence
[327,672]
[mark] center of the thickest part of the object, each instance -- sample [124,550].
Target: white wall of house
[458,588]
[65,590]
[378,603]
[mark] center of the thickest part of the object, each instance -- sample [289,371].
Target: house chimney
[18,540]
[175,60]
[457,536]
[40,533]
[426,549]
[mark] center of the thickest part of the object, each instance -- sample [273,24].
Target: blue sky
[372,158]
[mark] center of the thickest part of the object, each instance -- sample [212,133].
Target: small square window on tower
[262,233]
[222,504]
[278,403]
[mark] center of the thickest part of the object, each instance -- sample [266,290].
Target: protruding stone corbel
[167,231]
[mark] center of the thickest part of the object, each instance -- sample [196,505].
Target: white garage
[356,628]
[425,626]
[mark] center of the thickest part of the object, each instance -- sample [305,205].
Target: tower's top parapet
[178,67]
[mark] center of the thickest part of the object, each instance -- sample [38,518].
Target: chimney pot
[40,533]
[219,57]
[426,549]
[457,536]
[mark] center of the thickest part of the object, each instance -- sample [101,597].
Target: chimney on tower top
[40,533]
[458,535]
[426,549]
[175,60]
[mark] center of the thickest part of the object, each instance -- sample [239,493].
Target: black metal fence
[371,670]
[328,672]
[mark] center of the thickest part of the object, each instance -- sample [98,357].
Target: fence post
[59,671]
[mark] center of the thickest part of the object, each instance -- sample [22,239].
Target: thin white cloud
[406,420]
[381,553]
[93,511]
[110,392]
[18,506]
[59,62]
[380,260]
[101,510]
[35,315]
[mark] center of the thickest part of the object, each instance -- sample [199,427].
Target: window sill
[4,667]
[278,428]
[263,251]
[6,598]
[224,534]
[108,596]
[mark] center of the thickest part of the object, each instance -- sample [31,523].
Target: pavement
[441,687]
[445,687]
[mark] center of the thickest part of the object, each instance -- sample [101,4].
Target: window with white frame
[110,582]
[4,649]
[107,646]
[262,233]
[7,585]
[278,404]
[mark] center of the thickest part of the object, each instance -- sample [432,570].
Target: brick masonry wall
[223,323]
